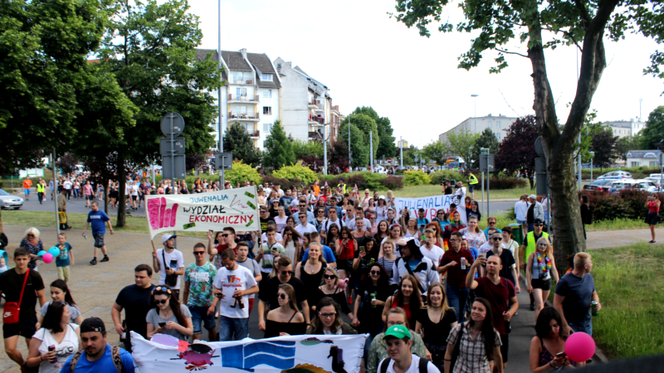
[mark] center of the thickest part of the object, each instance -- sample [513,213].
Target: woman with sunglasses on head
[540,268]
[407,296]
[377,350]
[287,318]
[548,342]
[368,307]
[60,293]
[56,331]
[327,319]
[168,316]
[434,322]
[333,287]
[34,244]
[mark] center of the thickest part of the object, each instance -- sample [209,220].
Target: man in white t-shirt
[428,249]
[174,262]
[399,342]
[304,226]
[67,187]
[233,284]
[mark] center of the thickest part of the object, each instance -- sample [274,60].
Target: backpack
[115,355]
[422,366]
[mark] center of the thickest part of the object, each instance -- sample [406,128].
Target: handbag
[171,280]
[12,309]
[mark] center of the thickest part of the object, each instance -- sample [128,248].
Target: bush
[605,206]
[438,176]
[507,183]
[285,183]
[416,178]
[393,182]
[635,201]
[240,173]
[297,171]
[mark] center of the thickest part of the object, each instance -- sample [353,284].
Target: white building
[306,104]
[251,94]
[478,124]
[646,158]
[625,128]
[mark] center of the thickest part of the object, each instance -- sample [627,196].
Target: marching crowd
[328,260]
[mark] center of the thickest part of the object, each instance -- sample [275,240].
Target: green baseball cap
[398,331]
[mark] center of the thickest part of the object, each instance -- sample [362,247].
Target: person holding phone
[168,316]
[547,348]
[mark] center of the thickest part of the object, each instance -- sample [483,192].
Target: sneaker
[105,259]
[93,261]
[532,306]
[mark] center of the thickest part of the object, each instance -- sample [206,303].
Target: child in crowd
[65,259]
[3,264]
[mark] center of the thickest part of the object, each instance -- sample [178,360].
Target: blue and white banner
[301,354]
[431,205]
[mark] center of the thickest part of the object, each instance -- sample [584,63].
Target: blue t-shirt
[97,220]
[62,260]
[578,293]
[422,222]
[102,365]
[328,255]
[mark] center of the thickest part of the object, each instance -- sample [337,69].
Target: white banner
[431,205]
[302,353]
[236,208]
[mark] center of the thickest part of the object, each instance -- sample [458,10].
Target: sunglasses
[329,277]
[375,272]
[199,252]
[30,235]
[327,315]
[492,222]
[224,235]
[282,296]
[537,225]
[497,239]
[163,301]
[286,273]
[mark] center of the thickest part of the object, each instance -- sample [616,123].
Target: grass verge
[616,224]
[631,289]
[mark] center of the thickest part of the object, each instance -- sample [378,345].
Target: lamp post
[592,158]
[325,138]
[220,145]
[350,152]
[474,95]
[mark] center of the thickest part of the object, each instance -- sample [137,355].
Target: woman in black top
[434,322]
[311,271]
[374,289]
[333,287]
[287,318]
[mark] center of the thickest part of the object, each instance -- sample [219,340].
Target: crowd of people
[327,260]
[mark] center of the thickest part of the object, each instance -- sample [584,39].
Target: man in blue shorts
[574,296]
[99,219]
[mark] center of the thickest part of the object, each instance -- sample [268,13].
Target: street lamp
[474,95]
[592,157]
[325,138]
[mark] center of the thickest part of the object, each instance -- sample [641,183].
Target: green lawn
[631,288]
[431,190]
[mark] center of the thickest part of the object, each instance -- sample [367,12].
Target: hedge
[416,178]
[438,177]
[628,204]
[507,183]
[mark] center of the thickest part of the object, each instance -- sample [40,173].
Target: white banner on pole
[302,353]
[431,205]
[236,208]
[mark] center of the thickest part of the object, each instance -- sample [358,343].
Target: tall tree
[358,146]
[278,148]
[338,157]
[461,144]
[150,47]
[437,152]
[487,139]
[653,133]
[387,147]
[542,25]
[604,146]
[238,141]
[365,124]
[517,150]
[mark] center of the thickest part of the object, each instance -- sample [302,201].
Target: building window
[490,124]
[267,110]
[267,127]
[652,164]
[238,77]
[240,92]
[498,124]
[635,164]
[266,77]
[267,93]
[498,135]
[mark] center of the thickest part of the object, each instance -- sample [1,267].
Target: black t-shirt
[11,284]
[508,261]
[371,317]
[136,303]
[436,333]
[530,215]
[264,224]
[268,293]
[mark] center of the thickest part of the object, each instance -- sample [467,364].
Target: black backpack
[422,366]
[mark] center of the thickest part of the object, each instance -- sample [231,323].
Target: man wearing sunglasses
[529,246]
[491,222]
[198,293]
[268,292]
[228,238]
[508,269]
[304,227]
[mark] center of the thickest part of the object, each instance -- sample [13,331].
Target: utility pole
[55,192]
[474,95]
[220,145]
[401,147]
[371,150]
[350,153]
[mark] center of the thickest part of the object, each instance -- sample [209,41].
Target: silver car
[7,201]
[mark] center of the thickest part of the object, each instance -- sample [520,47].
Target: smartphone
[363,249]
[162,324]
[561,354]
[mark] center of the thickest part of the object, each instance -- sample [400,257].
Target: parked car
[644,185]
[616,175]
[7,201]
[599,185]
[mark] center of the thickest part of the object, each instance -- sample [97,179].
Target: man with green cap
[401,360]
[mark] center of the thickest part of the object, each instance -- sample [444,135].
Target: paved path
[95,287]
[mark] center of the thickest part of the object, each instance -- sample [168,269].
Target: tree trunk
[105,183]
[122,199]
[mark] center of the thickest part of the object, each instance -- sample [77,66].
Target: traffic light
[213,163]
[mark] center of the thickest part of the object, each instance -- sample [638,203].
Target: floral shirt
[200,284]
[474,239]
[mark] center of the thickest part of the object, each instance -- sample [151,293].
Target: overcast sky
[367,58]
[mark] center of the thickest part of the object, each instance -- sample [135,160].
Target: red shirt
[456,277]
[498,297]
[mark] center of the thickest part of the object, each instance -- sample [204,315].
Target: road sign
[178,146]
[389,160]
[179,168]
[487,162]
[223,160]
[172,124]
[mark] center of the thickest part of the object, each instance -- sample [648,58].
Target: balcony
[316,120]
[243,99]
[315,136]
[256,135]
[313,104]
[244,117]
[320,109]
[242,81]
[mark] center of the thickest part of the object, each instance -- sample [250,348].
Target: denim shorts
[99,239]
[198,315]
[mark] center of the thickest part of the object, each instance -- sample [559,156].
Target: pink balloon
[580,347]
[47,258]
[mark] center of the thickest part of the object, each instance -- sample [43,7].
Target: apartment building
[625,128]
[497,124]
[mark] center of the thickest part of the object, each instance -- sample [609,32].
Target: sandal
[651,241]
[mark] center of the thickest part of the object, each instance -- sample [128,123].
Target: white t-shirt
[350,223]
[134,190]
[485,248]
[230,281]
[414,366]
[521,210]
[301,229]
[279,237]
[175,260]
[66,184]
[63,350]
[435,254]
[281,222]
[328,223]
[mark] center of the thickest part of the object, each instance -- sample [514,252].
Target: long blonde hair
[444,306]
[549,247]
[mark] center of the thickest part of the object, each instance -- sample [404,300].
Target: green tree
[436,151]
[278,148]
[239,142]
[150,47]
[302,149]
[409,156]
[627,143]
[653,133]
[461,144]
[387,147]
[495,26]
[487,139]
[604,146]
[365,124]
[358,147]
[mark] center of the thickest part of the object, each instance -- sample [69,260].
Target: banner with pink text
[236,208]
